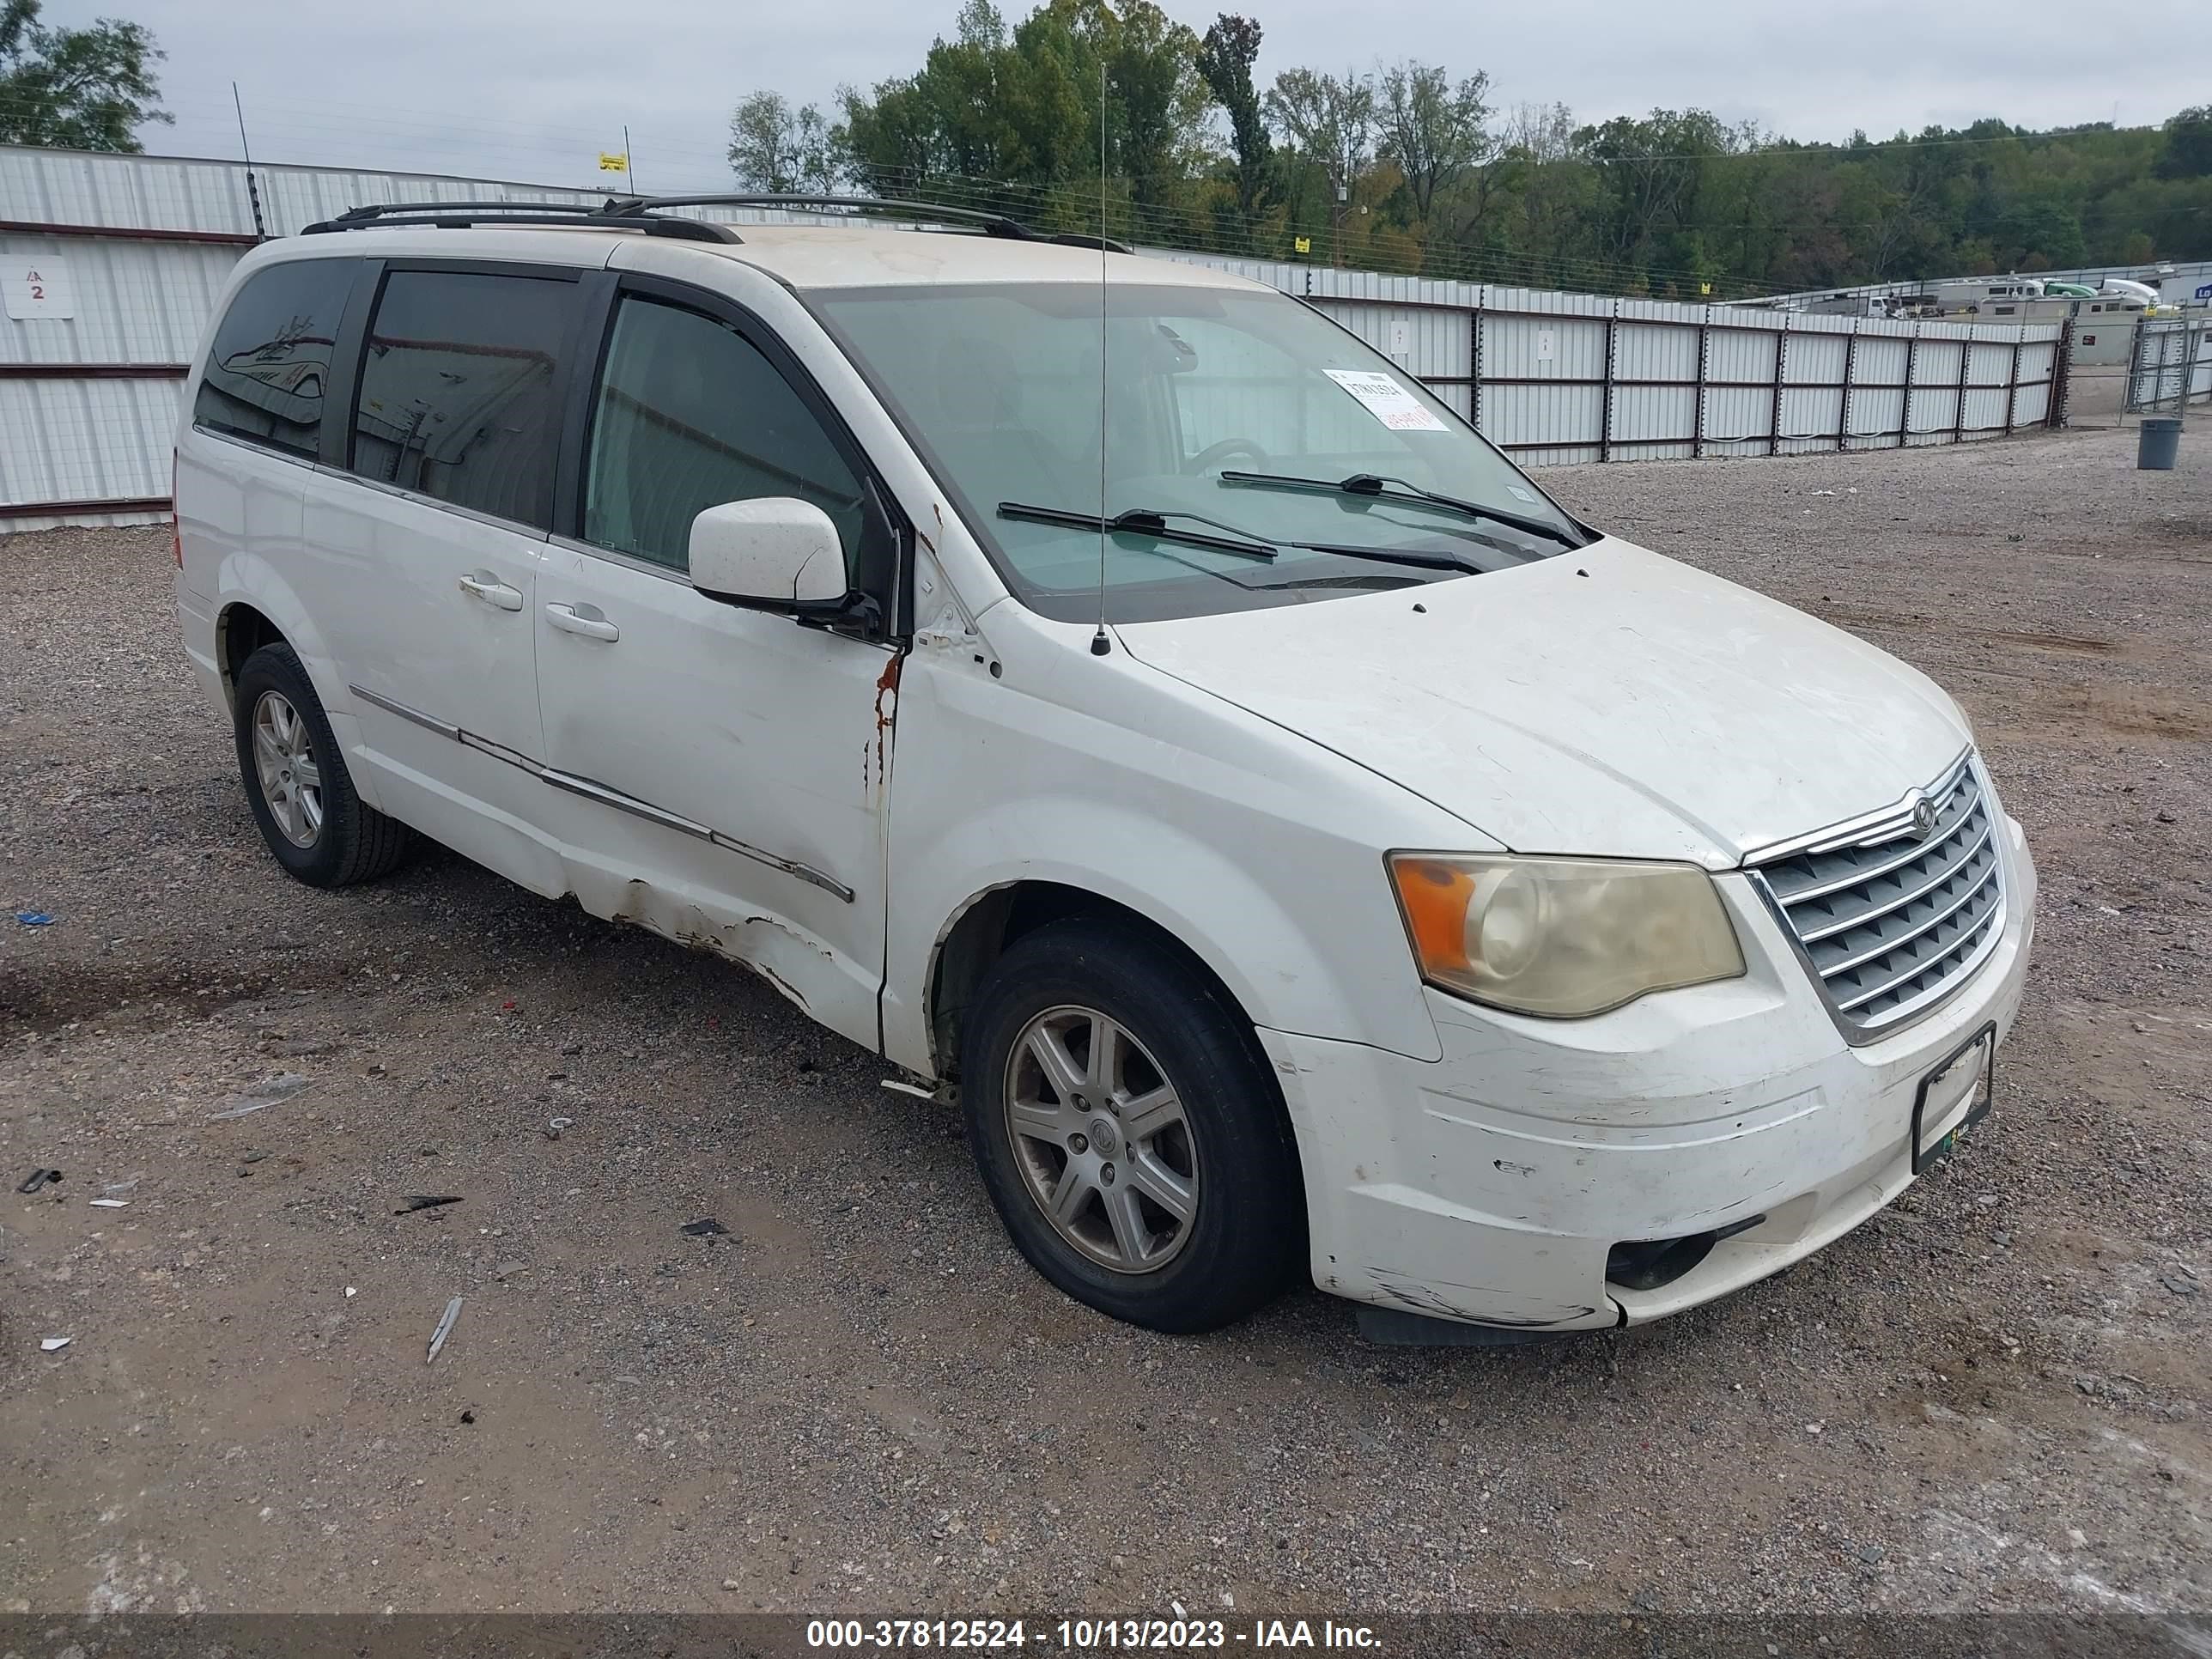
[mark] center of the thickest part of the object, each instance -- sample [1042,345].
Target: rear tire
[296,780]
[1128,1130]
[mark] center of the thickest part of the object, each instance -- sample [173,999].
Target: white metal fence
[1561,378]
[130,252]
[2171,366]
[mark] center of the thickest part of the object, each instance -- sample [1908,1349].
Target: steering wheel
[1213,454]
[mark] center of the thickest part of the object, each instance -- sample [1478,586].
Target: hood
[1607,702]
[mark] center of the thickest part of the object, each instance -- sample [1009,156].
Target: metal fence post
[2062,365]
[1844,414]
[1698,421]
[1912,367]
[1781,363]
[2012,388]
[1965,363]
[1605,394]
[1474,360]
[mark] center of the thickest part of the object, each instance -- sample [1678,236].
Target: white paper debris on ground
[445,1328]
[352,1291]
[1388,402]
[49,1344]
[110,1203]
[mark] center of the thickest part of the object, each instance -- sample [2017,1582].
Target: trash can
[2157,443]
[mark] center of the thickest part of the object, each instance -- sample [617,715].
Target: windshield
[1211,396]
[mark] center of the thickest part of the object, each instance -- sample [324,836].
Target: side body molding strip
[607,797]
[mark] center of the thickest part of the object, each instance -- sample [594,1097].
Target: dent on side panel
[800,967]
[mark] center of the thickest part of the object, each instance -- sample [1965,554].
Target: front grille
[1890,917]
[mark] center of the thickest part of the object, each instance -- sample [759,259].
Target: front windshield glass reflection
[998,386]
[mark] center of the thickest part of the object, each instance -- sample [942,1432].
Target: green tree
[2187,153]
[1654,172]
[1430,129]
[943,122]
[1329,128]
[87,88]
[1410,170]
[775,147]
[1011,118]
[1531,216]
[1225,57]
[2038,233]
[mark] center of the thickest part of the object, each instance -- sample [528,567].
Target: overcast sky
[533,90]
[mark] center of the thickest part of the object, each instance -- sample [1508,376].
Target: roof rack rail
[1083,238]
[462,216]
[991,224]
[644,213]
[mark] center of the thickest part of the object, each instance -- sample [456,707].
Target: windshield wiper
[1143,521]
[1394,556]
[1382,489]
[1153,522]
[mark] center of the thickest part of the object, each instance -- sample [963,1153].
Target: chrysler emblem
[1924,815]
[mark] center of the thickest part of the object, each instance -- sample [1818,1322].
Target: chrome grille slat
[1975,891]
[1820,887]
[1891,923]
[1960,951]
[1813,936]
[1911,954]
[1894,927]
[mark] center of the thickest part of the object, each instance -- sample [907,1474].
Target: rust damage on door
[887,684]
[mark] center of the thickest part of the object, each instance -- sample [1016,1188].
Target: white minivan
[1115,694]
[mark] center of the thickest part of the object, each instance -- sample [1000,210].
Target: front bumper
[1489,1186]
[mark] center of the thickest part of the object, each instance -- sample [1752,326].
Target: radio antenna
[1100,645]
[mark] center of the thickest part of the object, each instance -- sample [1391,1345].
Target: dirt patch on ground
[856,1396]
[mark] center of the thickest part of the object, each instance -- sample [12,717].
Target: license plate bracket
[1955,1096]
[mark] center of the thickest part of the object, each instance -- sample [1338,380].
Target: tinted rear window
[457,390]
[271,358]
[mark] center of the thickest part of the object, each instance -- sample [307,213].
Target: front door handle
[581,619]
[493,591]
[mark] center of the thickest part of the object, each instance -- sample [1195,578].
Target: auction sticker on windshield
[1386,400]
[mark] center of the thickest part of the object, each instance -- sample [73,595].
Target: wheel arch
[255,606]
[992,920]
[997,919]
[240,629]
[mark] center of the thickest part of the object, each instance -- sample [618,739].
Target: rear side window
[457,390]
[689,415]
[271,358]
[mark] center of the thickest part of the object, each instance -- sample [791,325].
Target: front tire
[1128,1131]
[296,780]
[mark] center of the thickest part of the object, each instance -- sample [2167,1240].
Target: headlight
[1563,936]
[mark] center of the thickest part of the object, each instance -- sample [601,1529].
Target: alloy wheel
[1102,1140]
[284,761]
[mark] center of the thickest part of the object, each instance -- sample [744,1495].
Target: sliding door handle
[483,584]
[583,619]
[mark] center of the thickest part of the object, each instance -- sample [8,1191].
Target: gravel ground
[858,1397]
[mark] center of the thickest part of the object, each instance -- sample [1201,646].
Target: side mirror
[776,551]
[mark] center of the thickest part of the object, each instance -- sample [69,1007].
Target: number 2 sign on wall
[37,288]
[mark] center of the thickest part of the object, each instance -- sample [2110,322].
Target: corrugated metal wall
[88,401]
